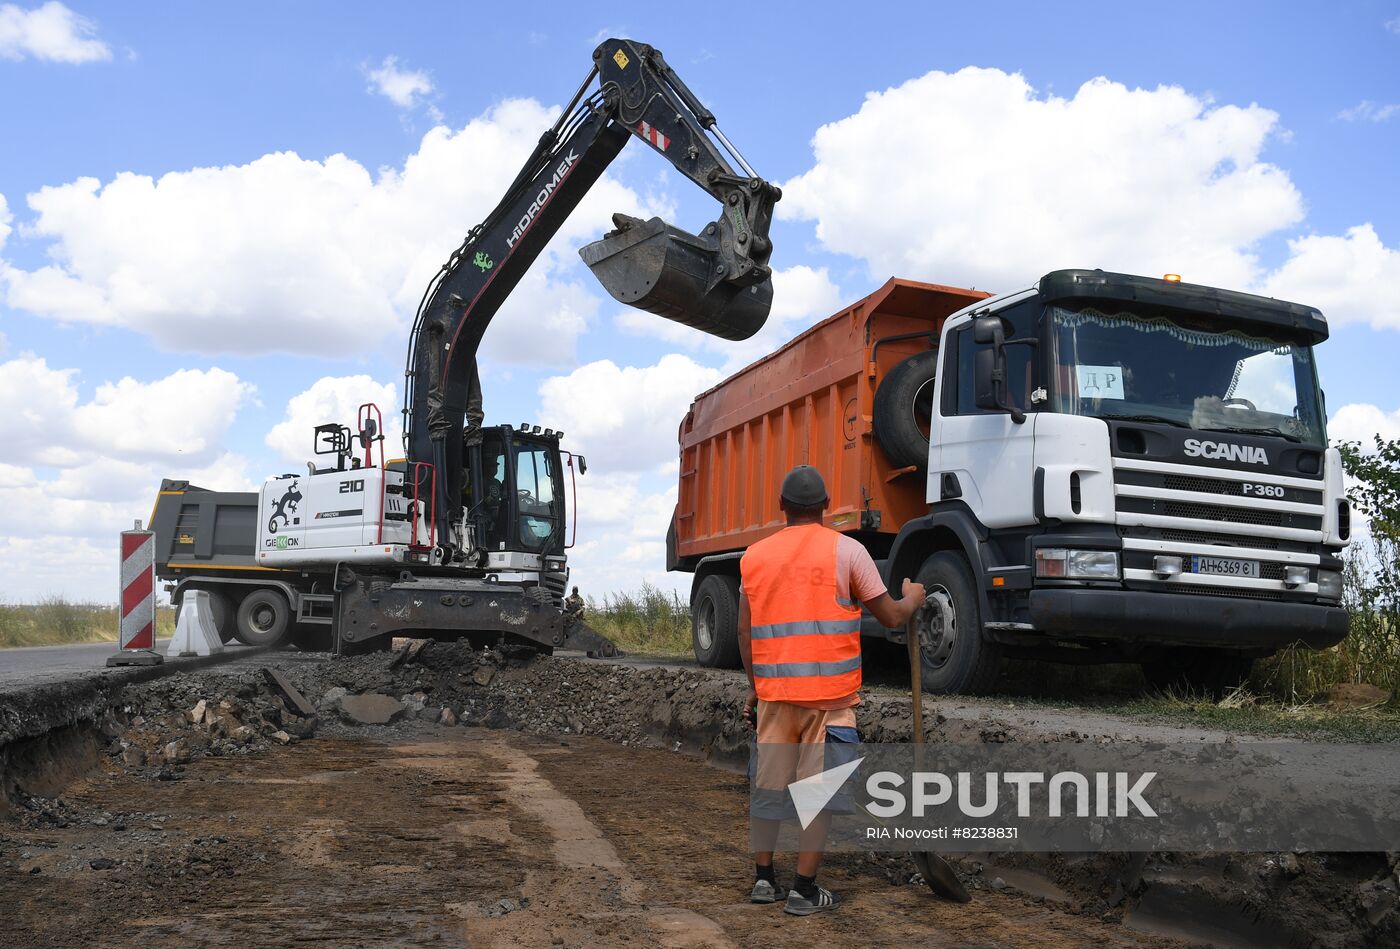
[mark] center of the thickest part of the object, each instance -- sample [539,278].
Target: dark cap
[804,486]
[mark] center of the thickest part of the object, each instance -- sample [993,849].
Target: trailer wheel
[956,657]
[714,622]
[263,618]
[1208,672]
[903,410]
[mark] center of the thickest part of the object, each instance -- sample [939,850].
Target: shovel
[937,872]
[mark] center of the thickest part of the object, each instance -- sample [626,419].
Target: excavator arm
[718,281]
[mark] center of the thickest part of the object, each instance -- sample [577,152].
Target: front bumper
[1183,619]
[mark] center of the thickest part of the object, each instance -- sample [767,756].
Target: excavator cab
[514,497]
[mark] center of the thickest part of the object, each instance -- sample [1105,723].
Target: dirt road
[450,837]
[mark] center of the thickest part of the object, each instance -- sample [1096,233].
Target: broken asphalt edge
[36,710]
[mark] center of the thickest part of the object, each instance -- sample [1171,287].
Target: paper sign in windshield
[1100,382]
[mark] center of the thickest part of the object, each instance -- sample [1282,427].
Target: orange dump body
[809,402]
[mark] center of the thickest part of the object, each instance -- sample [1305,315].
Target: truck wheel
[955,656]
[1208,672]
[903,410]
[263,618]
[714,622]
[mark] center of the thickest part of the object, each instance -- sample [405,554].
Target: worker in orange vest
[799,636]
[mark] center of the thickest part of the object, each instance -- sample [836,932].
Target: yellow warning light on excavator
[1172,277]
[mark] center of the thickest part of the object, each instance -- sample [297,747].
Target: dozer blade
[657,267]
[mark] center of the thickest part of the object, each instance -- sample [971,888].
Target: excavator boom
[718,281]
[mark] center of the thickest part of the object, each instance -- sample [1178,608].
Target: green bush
[54,621]
[651,621]
[1370,592]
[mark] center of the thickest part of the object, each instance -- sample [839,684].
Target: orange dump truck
[1101,467]
[819,400]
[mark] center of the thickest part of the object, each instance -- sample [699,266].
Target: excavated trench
[519,801]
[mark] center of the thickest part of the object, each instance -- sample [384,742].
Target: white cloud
[622,521]
[5,218]
[1362,422]
[286,254]
[335,399]
[80,471]
[403,87]
[69,545]
[183,415]
[627,416]
[1351,279]
[1368,111]
[975,178]
[802,296]
[77,471]
[1393,25]
[180,417]
[51,32]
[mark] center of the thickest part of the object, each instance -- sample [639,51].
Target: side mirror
[582,464]
[989,388]
[987,330]
[985,379]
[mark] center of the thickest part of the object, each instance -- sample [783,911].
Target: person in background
[574,605]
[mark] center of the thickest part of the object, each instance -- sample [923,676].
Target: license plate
[1226,567]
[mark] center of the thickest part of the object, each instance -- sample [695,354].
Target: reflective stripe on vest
[806,640]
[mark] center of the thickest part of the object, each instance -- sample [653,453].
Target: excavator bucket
[657,267]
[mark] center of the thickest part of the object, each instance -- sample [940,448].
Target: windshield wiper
[1146,418]
[1257,431]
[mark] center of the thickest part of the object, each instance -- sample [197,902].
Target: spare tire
[903,413]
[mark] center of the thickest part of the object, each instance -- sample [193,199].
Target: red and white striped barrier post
[137,639]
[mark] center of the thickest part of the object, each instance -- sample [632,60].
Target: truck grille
[1204,537]
[1215,512]
[1187,514]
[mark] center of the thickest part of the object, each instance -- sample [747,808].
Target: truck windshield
[1186,372]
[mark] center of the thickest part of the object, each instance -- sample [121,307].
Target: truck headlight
[1057,562]
[1329,585]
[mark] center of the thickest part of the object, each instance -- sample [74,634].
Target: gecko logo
[284,507]
[1221,451]
[541,199]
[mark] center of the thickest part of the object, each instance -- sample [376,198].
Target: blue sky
[224,295]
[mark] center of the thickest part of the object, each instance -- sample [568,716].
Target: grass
[1270,704]
[650,621]
[55,621]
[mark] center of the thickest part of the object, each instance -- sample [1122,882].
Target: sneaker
[799,905]
[765,892]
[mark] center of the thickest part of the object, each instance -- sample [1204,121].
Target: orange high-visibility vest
[806,642]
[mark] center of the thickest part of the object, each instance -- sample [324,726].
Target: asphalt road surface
[29,666]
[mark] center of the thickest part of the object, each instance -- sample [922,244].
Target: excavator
[465,535]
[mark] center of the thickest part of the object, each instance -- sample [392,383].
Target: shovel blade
[656,267]
[941,877]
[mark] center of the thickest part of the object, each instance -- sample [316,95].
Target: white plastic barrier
[195,633]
